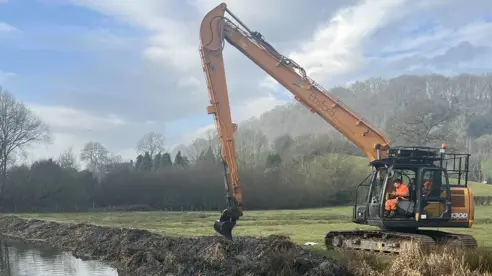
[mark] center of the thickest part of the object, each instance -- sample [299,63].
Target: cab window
[434,183]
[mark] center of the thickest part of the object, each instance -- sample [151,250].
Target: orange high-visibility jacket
[402,191]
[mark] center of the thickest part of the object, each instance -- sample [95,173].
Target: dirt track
[139,252]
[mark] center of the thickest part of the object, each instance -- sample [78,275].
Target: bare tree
[19,128]
[152,142]
[115,158]
[96,156]
[68,160]
[424,122]
[250,144]
[196,148]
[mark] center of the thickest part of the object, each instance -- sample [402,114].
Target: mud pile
[139,252]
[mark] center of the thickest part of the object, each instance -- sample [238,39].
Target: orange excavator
[441,205]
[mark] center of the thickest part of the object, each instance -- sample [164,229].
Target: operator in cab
[426,189]
[400,192]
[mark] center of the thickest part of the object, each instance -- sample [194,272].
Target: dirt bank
[139,252]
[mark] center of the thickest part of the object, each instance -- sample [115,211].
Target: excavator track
[444,238]
[383,241]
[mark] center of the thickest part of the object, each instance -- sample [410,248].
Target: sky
[111,71]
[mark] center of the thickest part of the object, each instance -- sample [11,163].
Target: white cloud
[170,39]
[336,47]
[187,138]
[268,82]
[74,128]
[172,45]
[247,10]
[7,28]
[61,141]
[255,107]
[441,38]
[239,113]
[479,32]
[69,118]
[127,154]
[4,76]
[188,81]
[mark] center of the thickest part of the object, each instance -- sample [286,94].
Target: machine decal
[459,215]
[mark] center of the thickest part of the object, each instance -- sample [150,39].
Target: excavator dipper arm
[215,29]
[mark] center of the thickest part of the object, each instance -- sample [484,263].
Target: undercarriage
[387,241]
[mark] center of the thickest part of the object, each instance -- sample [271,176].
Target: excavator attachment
[224,228]
[227,221]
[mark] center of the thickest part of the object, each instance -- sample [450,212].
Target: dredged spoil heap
[140,252]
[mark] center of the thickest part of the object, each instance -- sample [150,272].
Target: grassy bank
[301,225]
[304,226]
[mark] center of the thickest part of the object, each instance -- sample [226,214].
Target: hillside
[465,100]
[424,110]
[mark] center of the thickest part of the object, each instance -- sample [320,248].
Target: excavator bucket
[227,221]
[224,228]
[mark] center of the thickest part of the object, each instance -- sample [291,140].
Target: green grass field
[479,189]
[302,226]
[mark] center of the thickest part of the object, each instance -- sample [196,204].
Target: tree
[67,160]
[152,143]
[206,158]
[480,125]
[273,160]
[186,162]
[96,155]
[198,146]
[49,179]
[156,162]
[19,128]
[166,161]
[424,123]
[138,162]
[250,144]
[180,161]
[146,165]
[282,143]
[115,163]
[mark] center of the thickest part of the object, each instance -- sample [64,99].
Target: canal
[17,258]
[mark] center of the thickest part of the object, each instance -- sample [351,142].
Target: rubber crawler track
[394,242]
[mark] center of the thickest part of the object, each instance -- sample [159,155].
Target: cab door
[434,194]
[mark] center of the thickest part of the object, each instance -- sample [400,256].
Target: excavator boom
[215,29]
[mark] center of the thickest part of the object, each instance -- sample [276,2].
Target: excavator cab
[432,201]
[426,174]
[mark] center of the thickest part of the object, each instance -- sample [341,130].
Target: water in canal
[20,259]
